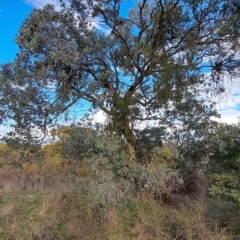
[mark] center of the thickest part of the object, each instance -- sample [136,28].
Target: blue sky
[14,12]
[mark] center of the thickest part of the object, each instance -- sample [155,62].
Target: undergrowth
[66,212]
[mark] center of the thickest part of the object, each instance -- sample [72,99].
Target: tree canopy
[141,66]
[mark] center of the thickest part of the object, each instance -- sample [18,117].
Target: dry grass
[185,219]
[36,206]
[17,181]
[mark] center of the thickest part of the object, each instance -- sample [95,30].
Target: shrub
[116,177]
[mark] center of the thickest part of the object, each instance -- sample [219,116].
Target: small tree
[224,162]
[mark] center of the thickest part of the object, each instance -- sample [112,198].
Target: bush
[116,177]
[224,163]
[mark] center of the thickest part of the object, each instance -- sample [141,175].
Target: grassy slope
[31,209]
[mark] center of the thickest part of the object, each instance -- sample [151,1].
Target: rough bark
[133,141]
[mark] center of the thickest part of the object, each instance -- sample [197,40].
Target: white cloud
[4,130]
[93,22]
[228,115]
[42,3]
[99,117]
[97,24]
[228,119]
[228,102]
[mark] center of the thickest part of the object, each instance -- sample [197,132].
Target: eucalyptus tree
[134,70]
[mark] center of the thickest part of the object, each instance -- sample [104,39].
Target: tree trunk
[121,116]
[133,141]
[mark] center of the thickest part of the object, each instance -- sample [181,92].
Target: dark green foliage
[81,143]
[232,8]
[224,162]
[149,138]
[225,149]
